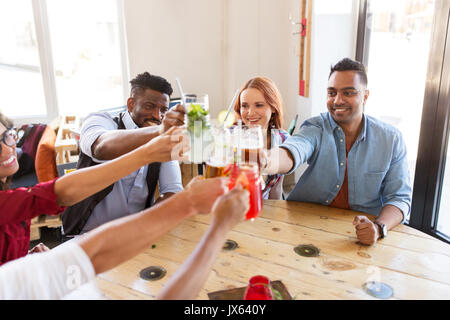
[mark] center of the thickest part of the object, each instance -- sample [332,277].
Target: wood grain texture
[414,264]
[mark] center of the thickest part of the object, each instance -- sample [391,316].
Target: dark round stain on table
[152,273]
[276,229]
[307,250]
[230,245]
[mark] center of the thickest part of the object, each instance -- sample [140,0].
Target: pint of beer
[248,142]
[251,155]
[216,169]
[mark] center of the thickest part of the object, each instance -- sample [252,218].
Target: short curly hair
[347,64]
[146,80]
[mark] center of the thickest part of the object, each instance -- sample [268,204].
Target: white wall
[257,43]
[214,46]
[178,38]
[333,37]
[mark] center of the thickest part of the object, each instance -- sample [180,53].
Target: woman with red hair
[259,103]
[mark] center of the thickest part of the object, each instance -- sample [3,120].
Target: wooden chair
[67,138]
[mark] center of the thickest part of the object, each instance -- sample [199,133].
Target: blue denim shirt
[377,170]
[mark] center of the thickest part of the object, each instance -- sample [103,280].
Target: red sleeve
[26,203]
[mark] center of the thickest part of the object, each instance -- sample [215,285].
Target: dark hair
[145,81]
[8,124]
[347,64]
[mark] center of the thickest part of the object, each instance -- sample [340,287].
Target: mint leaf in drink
[197,113]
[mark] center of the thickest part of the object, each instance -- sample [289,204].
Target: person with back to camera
[117,241]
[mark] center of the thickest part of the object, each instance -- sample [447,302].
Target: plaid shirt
[277,137]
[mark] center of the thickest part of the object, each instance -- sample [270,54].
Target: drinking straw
[183,99]
[292,125]
[239,139]
[231,105]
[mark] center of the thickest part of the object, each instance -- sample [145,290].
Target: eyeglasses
[9,138]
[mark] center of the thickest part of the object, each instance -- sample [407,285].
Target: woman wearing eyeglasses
[19,206]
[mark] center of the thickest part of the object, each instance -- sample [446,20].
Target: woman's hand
[203,193]
[39,248]
[230,209]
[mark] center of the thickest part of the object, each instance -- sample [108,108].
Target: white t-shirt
[61,273]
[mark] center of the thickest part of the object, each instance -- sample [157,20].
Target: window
[20,69]
[443,221]
[397,60]
[67,55]
[86,54]
[405,46]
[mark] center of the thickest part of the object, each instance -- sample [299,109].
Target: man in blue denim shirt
[355,161]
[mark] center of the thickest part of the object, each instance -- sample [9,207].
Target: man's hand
[276,160]
[230,209]
[366,231]
[173,117]
[39,248]
[263,159]
[171,145]
[203,193]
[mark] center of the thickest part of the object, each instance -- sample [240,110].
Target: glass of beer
[220,157]
[247,174]
[215,168]
[248,142]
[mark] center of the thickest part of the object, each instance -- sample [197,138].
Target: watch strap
[381,228]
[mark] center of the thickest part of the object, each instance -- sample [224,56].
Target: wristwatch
[382,228]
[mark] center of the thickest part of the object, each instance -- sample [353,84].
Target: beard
[151,122]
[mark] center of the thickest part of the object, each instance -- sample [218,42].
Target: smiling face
[148,107]
[8,158]
[346,96]
[254,108]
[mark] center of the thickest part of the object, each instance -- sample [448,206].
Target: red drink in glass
[258,289]
[247,175]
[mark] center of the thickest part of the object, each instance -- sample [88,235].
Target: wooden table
[415,265]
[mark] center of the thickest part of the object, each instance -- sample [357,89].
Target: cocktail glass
[247,174]
[198,126]
[220,157]
[258,288]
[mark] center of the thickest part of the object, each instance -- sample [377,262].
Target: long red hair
[273,97]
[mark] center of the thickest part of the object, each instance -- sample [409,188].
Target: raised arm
[277,160]
[82,183]
[186,283]
[121,239]
[104,247]
[114,143]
